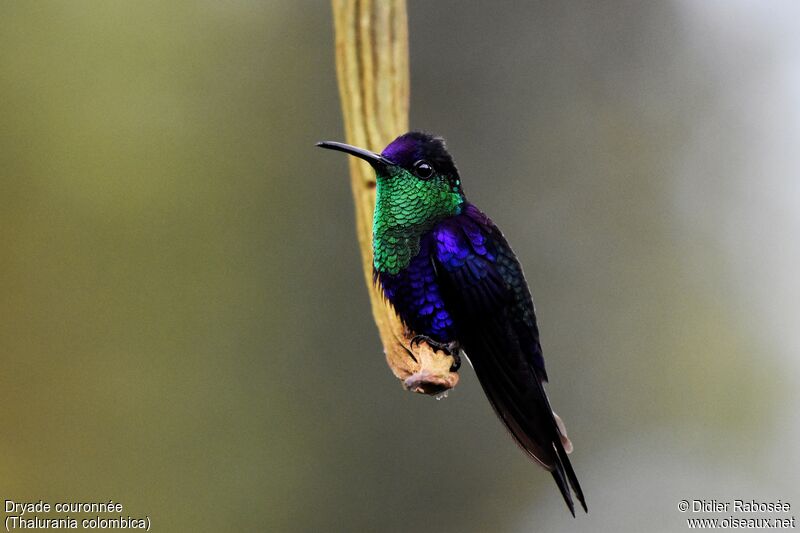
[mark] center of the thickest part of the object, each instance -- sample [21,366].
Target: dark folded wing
[484,289]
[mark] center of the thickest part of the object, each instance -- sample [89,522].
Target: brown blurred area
[183,322]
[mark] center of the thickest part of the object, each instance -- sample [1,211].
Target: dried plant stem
[372,68]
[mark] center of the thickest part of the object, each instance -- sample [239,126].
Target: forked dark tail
[519,399]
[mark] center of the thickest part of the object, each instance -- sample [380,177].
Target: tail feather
[573,479]
[558,476]
[520,401]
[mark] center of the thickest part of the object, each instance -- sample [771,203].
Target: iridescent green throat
[405,208]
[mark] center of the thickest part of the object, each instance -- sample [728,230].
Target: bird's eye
[423,169]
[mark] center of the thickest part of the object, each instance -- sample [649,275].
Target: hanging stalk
[373,74]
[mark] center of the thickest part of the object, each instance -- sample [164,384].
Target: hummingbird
[454,281]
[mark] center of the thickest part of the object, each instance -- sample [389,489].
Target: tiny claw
[410,351]
[418,339]
[445,347]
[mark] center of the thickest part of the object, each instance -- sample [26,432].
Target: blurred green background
[184,326]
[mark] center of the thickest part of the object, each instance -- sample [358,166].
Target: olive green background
[183,322]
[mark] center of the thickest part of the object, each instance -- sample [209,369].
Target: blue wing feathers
[483,286]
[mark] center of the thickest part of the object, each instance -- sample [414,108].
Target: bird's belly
[416,297]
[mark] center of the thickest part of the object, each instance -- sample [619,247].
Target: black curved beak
[376,160]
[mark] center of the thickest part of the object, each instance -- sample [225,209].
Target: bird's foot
[450,348]
[446,347]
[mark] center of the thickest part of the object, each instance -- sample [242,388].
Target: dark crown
[414,146]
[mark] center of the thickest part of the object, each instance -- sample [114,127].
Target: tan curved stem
[372,69]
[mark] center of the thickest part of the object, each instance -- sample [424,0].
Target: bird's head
[417,181]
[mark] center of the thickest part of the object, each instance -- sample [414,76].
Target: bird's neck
[394,247]
[398,225]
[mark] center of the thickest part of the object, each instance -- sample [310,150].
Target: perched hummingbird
[456,284]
